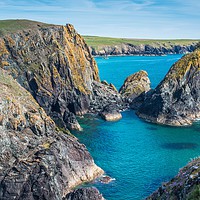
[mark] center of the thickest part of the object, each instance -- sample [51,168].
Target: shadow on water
[179,146]
[151,128]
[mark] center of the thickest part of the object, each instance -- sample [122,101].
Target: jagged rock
[135,87]
[111,113]
[84,194]
[37,161]
[54,63]
[176,100]
[104,95]
[186,185]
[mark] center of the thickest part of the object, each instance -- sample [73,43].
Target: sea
[139,156]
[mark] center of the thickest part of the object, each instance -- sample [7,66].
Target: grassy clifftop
[98,42]
[13,25]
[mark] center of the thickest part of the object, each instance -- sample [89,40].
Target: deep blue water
[139,155]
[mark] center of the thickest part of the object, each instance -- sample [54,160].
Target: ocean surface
[139,155]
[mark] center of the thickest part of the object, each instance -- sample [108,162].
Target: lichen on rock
[176,100]
[37,161]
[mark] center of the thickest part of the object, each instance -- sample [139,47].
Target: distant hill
[119,46]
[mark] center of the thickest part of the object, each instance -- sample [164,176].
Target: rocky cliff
[55,65]
[37,161]
[186,185]
[176,100]
[142,49]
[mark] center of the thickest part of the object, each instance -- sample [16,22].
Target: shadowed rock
[84,194]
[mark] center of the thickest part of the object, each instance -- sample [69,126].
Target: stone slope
[176,100]
[37,161]
[184,186]
[55,65]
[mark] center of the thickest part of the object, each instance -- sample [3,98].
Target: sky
[152,19]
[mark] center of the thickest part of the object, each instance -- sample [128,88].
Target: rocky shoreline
[141,50]
[48,77]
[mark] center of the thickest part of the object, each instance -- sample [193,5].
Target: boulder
[111,113]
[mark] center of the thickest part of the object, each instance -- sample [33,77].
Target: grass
[98,42]
[13,25]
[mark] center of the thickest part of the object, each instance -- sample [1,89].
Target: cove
[139,155]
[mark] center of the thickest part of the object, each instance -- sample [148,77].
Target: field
[98,42]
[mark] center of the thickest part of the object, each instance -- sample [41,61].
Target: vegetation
[98,42]
[10,26]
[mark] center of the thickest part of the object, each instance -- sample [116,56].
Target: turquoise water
[139,155]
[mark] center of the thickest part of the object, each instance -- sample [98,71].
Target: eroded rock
[84,194]
[135,87]
[176,100]
[37,161]
[183,186]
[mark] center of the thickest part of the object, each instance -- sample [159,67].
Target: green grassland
[98,42]
[11,26]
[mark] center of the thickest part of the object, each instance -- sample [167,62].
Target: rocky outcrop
[176,100]
[84,194]
[186,185]
[105,95]
[142,49]
[135,87]
[110,113]
[55,65]
[37,161]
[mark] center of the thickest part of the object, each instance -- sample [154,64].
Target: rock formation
[142,49]
[186,185]
[176,100]
[84,194]
[135,87]
[37,161]
[54,63]
[110,113]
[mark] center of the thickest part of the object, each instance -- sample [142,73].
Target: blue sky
[114,18]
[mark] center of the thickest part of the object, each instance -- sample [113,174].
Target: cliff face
[55,65]
[176,100]
[37,161]
[183,186]
[142,49]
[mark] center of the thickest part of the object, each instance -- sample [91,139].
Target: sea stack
[135,88]
[176,100]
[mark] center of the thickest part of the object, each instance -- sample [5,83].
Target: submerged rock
[135,87]
[176,100]
[84,194]
[37,161]
[186,185]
